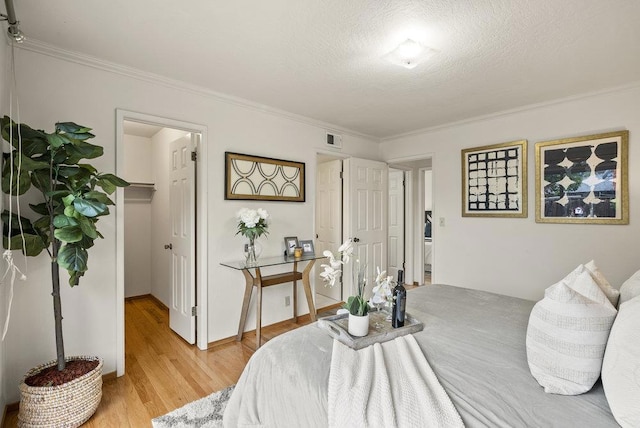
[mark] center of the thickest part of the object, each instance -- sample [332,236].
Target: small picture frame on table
[290,244]
[307,247]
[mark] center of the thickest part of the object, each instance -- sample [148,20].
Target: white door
[365,216]
[182,201]
[328,219]
[396,222]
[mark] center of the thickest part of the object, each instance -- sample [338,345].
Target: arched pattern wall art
[258,178]
[583,179]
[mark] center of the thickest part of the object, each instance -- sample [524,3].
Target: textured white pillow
[567,334]
[630,289]
[611,293]
[621,365]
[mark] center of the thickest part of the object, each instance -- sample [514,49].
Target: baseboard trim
[9,408]
[109,376]
[148,296]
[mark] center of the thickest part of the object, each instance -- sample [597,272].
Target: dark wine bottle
[399,302]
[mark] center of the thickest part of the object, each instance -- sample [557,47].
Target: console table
[256,279]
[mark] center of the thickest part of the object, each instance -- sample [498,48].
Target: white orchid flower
[381,275]
[330,275]
[346,249]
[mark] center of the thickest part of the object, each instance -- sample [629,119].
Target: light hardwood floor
[163,372]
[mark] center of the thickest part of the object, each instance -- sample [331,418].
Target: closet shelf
[139,192]
[142,185]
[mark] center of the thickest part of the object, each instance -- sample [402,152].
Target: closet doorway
[158,222]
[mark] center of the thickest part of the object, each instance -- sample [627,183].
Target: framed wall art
[583,179]
[494,180]
[265,179]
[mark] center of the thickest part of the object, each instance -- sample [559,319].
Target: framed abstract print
[494,180]
[583,179]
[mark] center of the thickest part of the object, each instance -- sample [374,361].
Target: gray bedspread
[474,342]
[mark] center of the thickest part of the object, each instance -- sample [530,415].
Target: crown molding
[527,107]
[43,48]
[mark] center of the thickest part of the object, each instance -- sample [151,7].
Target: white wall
[137,219]
[519,257]
[428,191]
[89,309]
[138,166]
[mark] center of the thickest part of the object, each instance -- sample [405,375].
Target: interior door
[365,216]
[328,219]
[396,222]
[182,200]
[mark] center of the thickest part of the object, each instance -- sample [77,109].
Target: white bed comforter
[379,386]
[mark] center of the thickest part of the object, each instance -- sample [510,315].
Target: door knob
[168,246]
[356,239]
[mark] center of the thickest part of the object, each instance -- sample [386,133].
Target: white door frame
[201,230]
[414,249]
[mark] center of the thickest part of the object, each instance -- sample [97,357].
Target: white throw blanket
[387,385]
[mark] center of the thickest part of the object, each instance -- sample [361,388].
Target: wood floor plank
[163,372]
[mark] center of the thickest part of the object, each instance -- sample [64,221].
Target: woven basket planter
[67,405]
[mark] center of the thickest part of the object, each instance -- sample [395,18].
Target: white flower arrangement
[252,223]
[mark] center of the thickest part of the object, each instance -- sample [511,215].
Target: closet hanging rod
[13,30]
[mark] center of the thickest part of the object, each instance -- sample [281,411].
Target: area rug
[205,413]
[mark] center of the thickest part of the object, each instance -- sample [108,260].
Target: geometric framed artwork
[494,180]
[264,179]
[583,179]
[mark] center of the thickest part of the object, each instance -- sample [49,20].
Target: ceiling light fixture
[409,54]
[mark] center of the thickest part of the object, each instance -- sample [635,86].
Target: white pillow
[630,288]
[621,365]
[567,334]
[611,293]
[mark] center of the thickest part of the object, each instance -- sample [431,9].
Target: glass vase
[252,251]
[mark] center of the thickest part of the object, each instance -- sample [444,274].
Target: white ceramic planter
[358,326]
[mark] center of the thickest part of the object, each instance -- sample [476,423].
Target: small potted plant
[356,305]
[71,203]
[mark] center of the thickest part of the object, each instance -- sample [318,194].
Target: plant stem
[57,306]
[55,275]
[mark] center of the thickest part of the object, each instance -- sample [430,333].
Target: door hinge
[194,311]
[194,156]
[341,175]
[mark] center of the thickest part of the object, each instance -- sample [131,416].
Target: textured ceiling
[323,59]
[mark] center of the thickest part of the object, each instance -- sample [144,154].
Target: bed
[474,342]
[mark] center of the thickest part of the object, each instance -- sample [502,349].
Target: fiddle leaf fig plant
[73,197]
